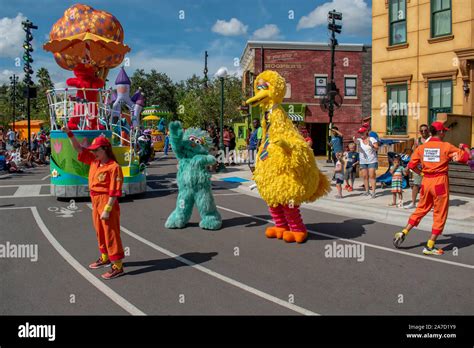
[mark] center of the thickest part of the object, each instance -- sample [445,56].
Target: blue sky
[159,39]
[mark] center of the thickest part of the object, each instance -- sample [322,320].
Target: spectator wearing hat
[368,159]
[371,132]
[105,185]
[433,156]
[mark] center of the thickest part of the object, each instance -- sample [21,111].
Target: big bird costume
[285,170]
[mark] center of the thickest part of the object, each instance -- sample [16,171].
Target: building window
[397,119]
[320,86]
[398,22]
[350,86]
[440,98]
[440,17]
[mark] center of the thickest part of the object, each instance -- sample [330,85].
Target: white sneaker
[410,206]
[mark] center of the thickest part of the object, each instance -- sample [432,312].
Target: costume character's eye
[262,86]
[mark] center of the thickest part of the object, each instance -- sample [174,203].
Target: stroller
[386,178]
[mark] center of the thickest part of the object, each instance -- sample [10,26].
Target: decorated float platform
[69,176]
[90,48]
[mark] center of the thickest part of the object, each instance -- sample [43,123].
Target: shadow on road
[457,202]
[245,221]
[348,229]
[167,264]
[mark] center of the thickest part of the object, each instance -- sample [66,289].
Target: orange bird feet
[275,232]
[295,236]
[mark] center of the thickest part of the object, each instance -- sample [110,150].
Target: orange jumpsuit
[105,181]
[434,157]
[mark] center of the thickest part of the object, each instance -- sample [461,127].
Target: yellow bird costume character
[286,173]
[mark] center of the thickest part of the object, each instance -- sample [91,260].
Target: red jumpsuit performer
[105,185]
[434,156]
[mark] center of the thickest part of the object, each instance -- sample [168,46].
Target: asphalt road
[233,271]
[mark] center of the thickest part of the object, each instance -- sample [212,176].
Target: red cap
[439,126]
[366,125]
[362,130]
[98,142]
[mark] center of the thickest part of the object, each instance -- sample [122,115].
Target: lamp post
[334,28]
[221,74]
[13,82]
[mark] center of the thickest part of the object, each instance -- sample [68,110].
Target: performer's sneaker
[99,264]
[113,273]
[433,251]
[399,239]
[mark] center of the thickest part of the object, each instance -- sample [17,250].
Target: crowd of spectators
[15,154]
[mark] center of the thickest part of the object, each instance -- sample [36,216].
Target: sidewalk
[354,204]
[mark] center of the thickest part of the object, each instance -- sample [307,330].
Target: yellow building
[422,62]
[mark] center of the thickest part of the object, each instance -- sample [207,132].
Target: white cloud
[5,76]
[234,27]
[267,32]
[11,36]
[356,15]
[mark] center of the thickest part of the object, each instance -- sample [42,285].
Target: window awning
[296,117]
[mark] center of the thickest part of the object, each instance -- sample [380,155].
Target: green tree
[200,106]
[41,108]
[157,87]
[6,103]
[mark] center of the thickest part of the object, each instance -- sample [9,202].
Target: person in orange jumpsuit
[105,185]
[433,156]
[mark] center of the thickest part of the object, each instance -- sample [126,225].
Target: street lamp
[222,73]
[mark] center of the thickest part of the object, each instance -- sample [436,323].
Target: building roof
[296,45]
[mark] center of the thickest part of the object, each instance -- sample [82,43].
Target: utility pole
[13,82]
[333,16]
[206,79]
[29,91]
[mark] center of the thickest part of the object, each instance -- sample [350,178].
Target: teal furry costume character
[194,180]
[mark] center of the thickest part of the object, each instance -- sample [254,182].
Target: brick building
[306,68]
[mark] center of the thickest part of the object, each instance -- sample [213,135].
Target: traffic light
[27,59]
[335,27]
[334,16]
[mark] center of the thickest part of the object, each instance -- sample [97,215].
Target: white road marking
[171,181]
[119,300]
[219,276]
[150,189]
[397,251]
[28,191]
[47,176]
[42,195]
[227,194]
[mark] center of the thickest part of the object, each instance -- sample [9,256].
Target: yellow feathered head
[270,88]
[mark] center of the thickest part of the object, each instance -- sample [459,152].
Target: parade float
[155,119]
[90,43]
